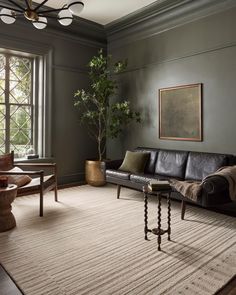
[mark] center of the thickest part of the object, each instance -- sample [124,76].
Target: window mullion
[33,143]
[7,99]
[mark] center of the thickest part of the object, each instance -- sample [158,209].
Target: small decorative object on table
[158,188]
[30,154]
[157,185]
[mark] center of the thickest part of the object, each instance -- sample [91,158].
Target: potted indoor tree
[102,118]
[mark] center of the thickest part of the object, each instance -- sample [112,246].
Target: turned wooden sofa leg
[55,188]
[41,195]
[183,208]
[55,193]
[118,191]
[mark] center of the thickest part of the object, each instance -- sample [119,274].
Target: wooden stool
[7,196]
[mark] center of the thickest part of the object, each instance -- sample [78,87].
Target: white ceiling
[104,11]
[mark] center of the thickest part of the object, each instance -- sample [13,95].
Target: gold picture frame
[180,112]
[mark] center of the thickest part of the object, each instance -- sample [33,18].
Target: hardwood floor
[8,287]
[229,289]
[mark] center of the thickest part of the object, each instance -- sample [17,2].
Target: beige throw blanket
[189,189]
[192,189]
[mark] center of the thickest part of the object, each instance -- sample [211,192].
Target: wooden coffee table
[7,196]
[157,230]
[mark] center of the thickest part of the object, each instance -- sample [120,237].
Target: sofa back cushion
[171,163]
[199,165]
[150,165]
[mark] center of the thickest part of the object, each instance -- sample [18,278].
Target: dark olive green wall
[200,51]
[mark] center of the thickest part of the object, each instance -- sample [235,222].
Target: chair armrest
[53,166]
[113,164]
[215,184]
[35,164]
[40,172]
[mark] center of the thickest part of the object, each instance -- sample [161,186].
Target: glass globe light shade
[8,17]
[65,17]
[75,7]
[41,23]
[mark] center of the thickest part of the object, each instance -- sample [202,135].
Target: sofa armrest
[113,164]
[215,184]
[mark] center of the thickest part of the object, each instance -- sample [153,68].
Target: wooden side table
[7,196]
[158,230]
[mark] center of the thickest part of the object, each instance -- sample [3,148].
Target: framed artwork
[180,112]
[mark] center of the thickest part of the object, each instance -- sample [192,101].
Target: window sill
[37,160]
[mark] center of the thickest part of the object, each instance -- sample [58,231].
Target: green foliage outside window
[15,104]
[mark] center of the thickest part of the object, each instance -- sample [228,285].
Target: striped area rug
[92,243]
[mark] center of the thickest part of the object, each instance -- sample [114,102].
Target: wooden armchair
[41,184]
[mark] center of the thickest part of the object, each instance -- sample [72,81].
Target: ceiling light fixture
[38,15]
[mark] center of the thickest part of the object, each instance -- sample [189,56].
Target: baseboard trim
[72,184]
[71,178]
[161,17]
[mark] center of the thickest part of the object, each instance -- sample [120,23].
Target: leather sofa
[181,165]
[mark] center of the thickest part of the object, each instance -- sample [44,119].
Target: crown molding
[161,16]
[143,14]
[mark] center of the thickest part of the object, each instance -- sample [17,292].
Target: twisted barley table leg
[169,215]
[145,215]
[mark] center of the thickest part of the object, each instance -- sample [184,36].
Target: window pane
[2,91]
[2,129]
[20,128]
[19,67]
[20,92]
[2,66]
[16,104]
[20,80]
[2,77]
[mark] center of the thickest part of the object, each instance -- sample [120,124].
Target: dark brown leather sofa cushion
[145,178]
[150,165]
[171,163]
[141,178]
[117,174]
[199,165]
